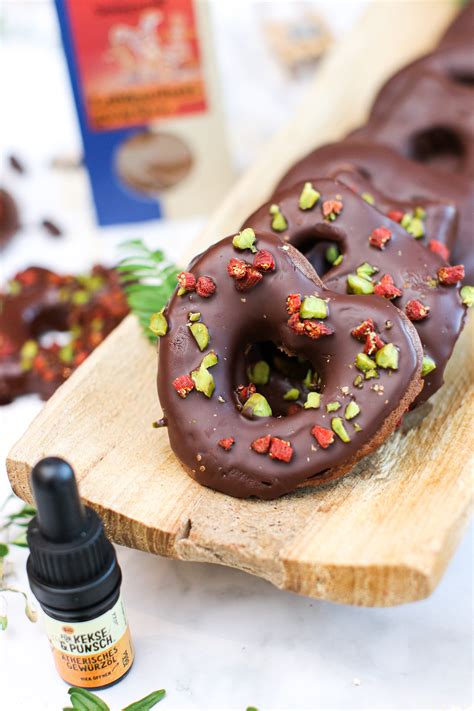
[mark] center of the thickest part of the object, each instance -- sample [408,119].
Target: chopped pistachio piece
[309,197]
[313,307]
[66,353]
[259,373]
[359,285]
[332,254]
[308,378]
[387,357]
[357,427]
[467,295]
[413,225]
[371,374]
[366,270]
[358,381]
[420,212]
[209,360]
[81,297]
[333,406]
[14,287]
[279,223]
[158,324]
[182,291]
[364,363]
[203,381]
[194,316]
[368,198]
[338,260]
[428,366]
[245,240]
[291,394]
[313,401]
[201,334]
[29,349]
[352,410]
[257,406]
[338,427]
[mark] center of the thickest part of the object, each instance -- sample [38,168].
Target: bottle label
[93,653]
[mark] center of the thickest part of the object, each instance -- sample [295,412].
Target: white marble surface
[214,638]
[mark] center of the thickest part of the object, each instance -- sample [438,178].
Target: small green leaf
[3,622]
[147,702]
[85,700]
[3,550]
[20,541]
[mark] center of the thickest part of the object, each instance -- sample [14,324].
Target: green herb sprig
[84,700]
[148,279]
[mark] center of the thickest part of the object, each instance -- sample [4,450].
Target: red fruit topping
[226,443]
[187,281]
[451,275]
[386,287]
[293,303]
[315,329]
[363,329]
[395,215]
[323,436]
[245,391]
[205,287]
[28,277]
[281,449]
[373,343]
[379,237]
[183,385]
[332,208]
[439,248]
[261,445]
[296,324]
[80,358]
[416,311]
[237,268]
[252,278]
[264,261]
[293,408]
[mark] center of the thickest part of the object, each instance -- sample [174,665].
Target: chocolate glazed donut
[431,121]
[377,256]
[398,177]
[219,427]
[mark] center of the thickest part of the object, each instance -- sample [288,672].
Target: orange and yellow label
[93,653]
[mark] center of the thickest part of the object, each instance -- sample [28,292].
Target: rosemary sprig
[148,279]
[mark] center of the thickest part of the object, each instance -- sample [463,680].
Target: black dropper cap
[72,565]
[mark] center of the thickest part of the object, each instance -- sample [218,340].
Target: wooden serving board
[381,536]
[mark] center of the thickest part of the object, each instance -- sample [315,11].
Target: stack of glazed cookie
[293,348]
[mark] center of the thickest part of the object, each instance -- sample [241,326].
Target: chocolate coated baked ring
[221,431]
[399,177]
[373,246]
[9,220]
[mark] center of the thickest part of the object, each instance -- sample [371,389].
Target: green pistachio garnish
[28,351]
[467,295]
[338,427]
[182,291]
[308,198]
[194,316]
[203,381]
[366,270]
[14,287]
[428,366]
[368,198]
[292,394]
[333,406]
[358,381]
[308,379]
[81,297]
[413,225]
[387,357]
[332,254]
[158,324]
[364,363]
[359,285]
[357,427]
[420,212]
[209,360]
[279,223]
[313,401]
[313,307]
[371,374]
[201,335]
[245,240]
[259,373]
[91,282]
[338,260]
[66,353]
[352,410]
[257,406]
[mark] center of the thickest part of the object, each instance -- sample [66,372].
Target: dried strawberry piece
[332,208]
[281,449]
[237,268]
[323,436]
[416,311]
[363,329]
[395,215]
[439,248]
[226,443]
[293,303]
[379,237]
[386,288]
[451,275]
[315,329]
[80,358]
[373,343]
[187,281]
[205,287]
[183,385]
[261,445]
[27,277]
[296,324]
[245,391]
[264,261]
[293,408]
[252,278]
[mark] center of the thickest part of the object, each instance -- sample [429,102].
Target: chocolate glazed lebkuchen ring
[248,289]
[375,256]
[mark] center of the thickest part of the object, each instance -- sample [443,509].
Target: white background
[214,638]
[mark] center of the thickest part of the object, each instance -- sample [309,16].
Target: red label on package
[138,60]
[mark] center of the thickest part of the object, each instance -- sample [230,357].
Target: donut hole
[318,250]
[440,147]
[287,375]
[463,78]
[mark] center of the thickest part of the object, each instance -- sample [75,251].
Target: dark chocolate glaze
[399,177]
[234,319]
[44,301]
[9,220]
[462,27]
[411,265]
[430,121]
